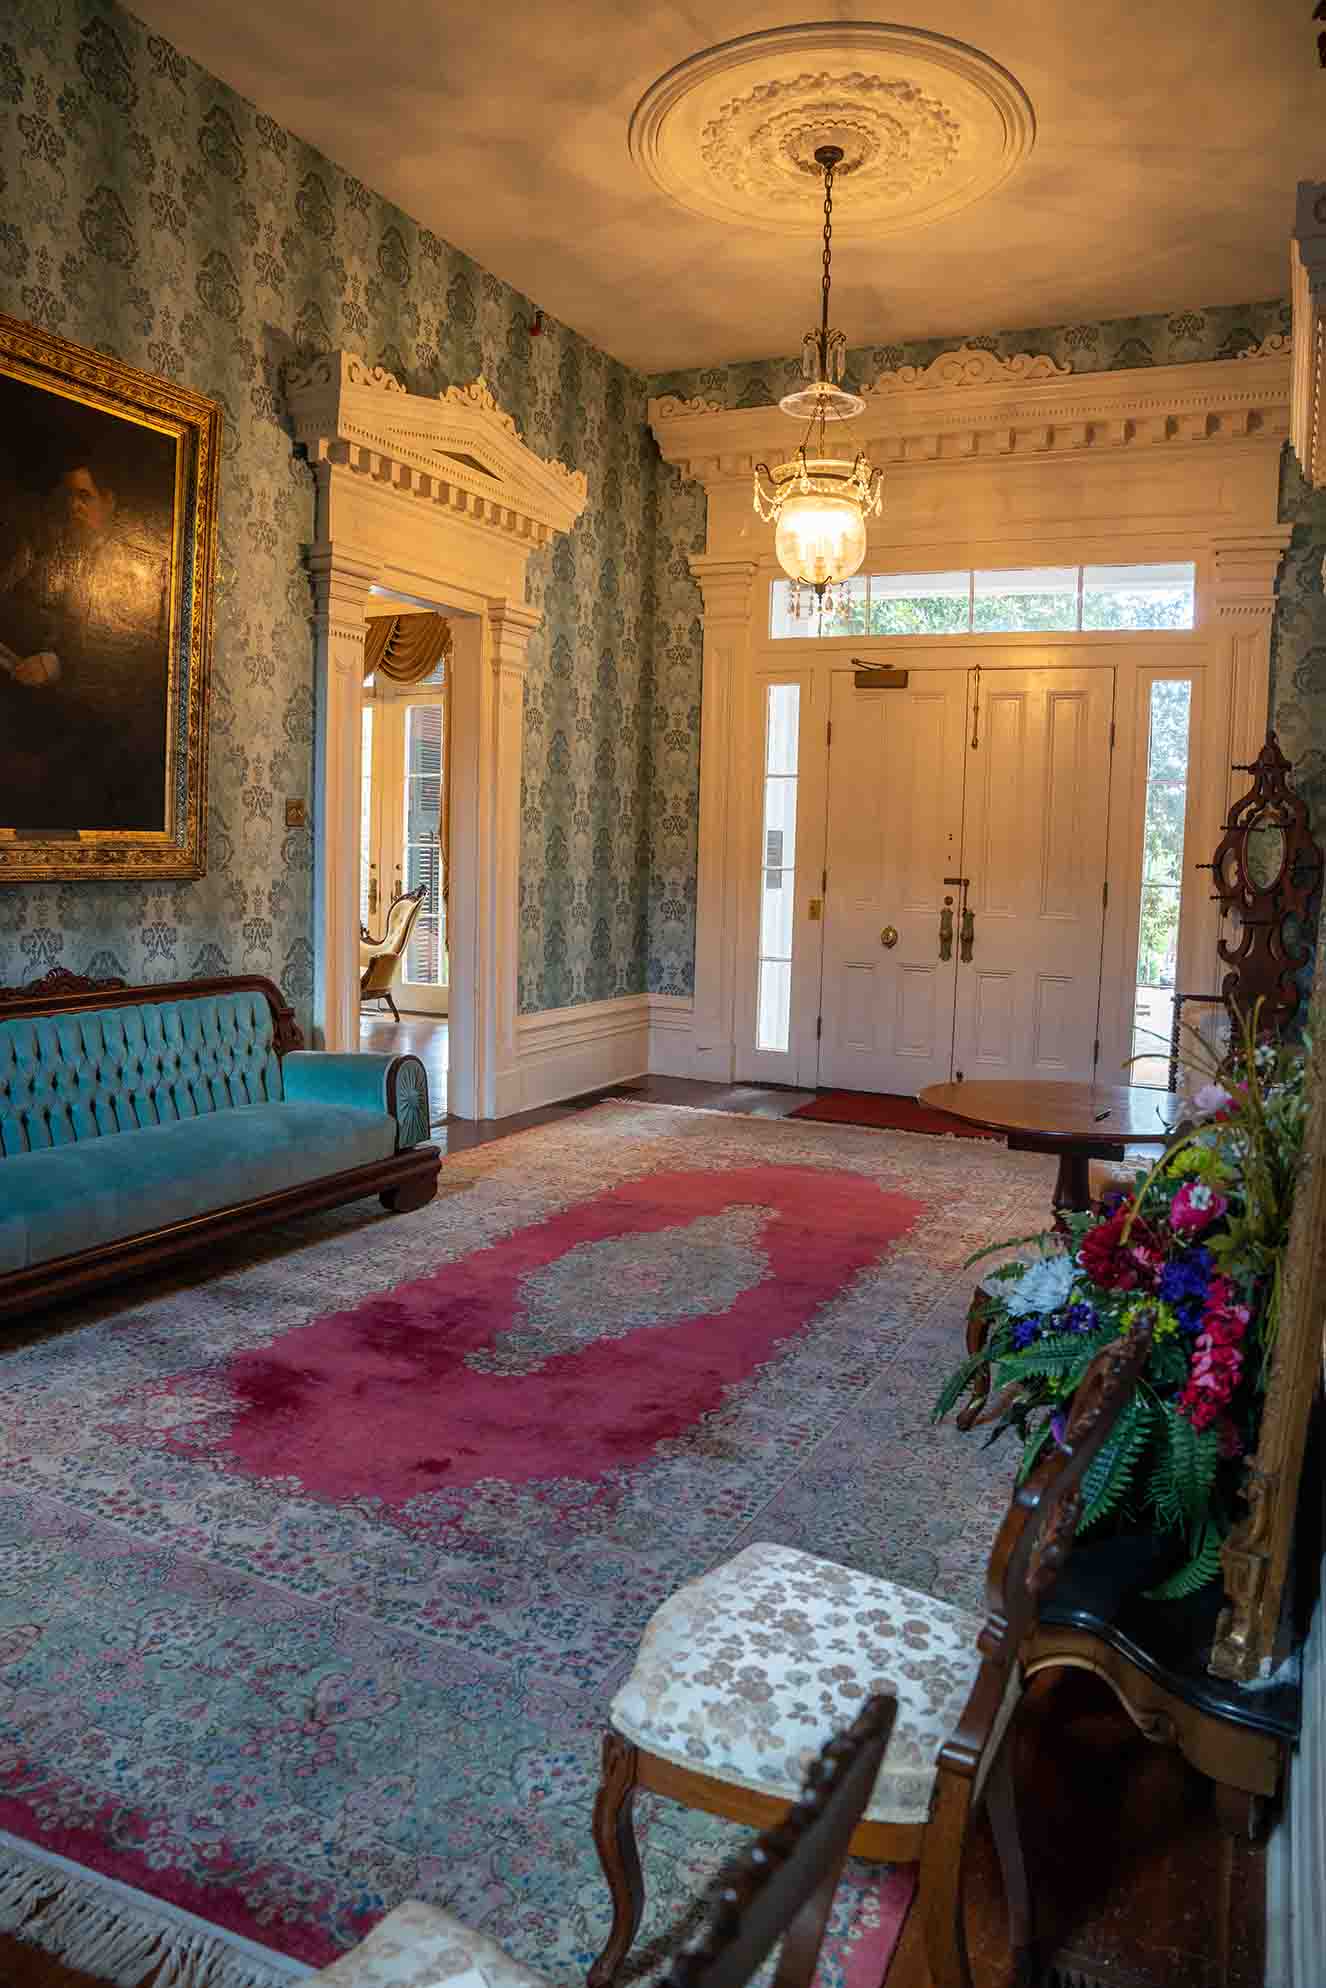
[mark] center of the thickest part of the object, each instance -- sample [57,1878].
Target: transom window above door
[995,600]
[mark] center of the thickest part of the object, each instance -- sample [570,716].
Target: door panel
[894,834]
[1035,836]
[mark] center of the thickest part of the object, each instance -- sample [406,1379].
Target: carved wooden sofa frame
[403,1181]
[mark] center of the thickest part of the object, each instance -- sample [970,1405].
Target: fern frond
[1185,1472]
[1056,1356]
[957,1384]
[1035,1443]
[1195,1573]
[1111,1472]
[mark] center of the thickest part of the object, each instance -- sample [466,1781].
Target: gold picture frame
[108,522]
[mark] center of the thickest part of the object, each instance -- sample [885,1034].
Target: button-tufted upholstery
[116,1122]
[70,1077]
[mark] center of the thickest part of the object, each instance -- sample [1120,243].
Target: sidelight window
[782,712]
[1162,878]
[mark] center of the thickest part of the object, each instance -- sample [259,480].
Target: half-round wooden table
[1078,1122]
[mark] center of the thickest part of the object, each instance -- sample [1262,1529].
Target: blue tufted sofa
[140,1122]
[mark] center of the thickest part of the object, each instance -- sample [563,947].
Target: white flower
[1211,1098]
[1043,1286]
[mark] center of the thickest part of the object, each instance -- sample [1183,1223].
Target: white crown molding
[963,408]
[969,366]
[1308,277]
[457,450]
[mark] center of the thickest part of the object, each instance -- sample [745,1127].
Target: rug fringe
[121,1935]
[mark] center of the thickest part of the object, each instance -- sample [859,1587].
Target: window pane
[1027,597]
[774,1025]
[776,902]
[782,712]
[1153,596]
[1167,751]
[780,823]
[1162,878]
[920,603]
[780,752]
[782,621]
[849,616]
[366,909]
[425,956]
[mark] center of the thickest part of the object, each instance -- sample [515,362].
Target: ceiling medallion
[925,126]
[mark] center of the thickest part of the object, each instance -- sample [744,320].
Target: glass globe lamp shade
[819,539]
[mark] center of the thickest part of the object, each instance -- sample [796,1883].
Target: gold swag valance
[405,648]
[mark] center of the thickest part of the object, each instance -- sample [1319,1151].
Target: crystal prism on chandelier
[818,504]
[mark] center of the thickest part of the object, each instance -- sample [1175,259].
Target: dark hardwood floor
[1136,1884]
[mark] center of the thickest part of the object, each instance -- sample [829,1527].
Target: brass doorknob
[889,936]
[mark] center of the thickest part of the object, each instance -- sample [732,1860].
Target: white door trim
[435,499]
[1012,465]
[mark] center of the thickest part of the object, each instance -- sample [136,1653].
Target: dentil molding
[1308,394]
[972,405]
[457,449]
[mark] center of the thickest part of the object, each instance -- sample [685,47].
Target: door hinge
[828,733]
[824,882]
[1095,1052]
[819,1027]
[1111,735]
[1105,892]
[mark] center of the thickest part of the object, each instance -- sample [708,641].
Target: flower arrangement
[1198,1250]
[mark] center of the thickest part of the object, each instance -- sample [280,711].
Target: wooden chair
[749,1665]
[380,959]
[781,1887]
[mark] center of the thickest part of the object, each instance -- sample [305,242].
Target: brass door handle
[889,936]
[968,933]
[946,932]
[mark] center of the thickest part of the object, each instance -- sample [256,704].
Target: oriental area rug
[317,1576]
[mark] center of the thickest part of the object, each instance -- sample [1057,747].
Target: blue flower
[1025,1330]
[1183,1284]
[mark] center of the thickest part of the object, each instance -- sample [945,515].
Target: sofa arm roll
[363,1081]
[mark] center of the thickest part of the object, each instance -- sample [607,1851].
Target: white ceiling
[1169,141]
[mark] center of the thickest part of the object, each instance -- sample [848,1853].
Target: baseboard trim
[563,1052]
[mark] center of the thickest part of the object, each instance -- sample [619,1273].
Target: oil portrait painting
[107,530]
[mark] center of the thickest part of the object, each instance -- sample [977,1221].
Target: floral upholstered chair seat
[420,1946]
[745,1672]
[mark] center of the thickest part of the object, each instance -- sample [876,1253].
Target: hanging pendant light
[818,503]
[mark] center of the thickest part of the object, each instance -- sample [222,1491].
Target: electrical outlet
[296,814]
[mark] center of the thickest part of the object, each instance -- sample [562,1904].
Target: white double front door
[967,819]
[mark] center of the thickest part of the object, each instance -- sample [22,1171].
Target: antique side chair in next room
[742,1673]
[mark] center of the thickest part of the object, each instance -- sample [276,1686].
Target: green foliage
[1184,1472]
[1112,1469]
[1196,1572]
[1062,1359]
[957,1384]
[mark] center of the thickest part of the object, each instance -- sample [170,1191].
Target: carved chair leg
[1001,1806]
[614,1839]
[396,1015]
[978,1331]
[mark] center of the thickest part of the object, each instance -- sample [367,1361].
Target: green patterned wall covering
[148,210]
[1179,337]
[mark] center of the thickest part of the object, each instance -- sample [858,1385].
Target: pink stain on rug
[465,1375]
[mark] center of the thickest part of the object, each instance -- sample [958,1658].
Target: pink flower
[1195,1207]
[1210,1098]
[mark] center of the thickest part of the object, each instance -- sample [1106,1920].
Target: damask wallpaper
[1298,696]
[148,210]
